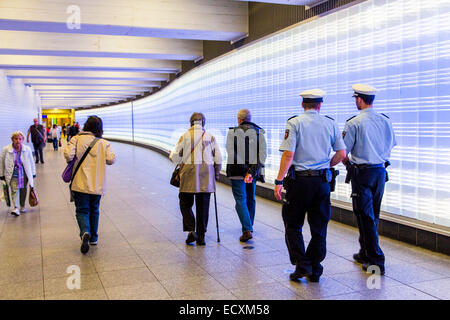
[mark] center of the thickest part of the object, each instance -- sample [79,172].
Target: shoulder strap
[192,149]
[82,158]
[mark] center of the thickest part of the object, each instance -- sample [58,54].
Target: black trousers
[38,151]
[201,210]
[367,193]
[312,195]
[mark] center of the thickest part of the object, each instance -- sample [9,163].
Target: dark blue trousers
[87,207]
[367,193]
[312,195]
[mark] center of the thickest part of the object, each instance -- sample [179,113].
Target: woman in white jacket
[17,169]
[88,184]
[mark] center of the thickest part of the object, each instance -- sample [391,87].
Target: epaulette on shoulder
[292,117]
[350,118]
[385,115]
[329,117]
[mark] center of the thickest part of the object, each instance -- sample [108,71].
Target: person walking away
[17,168]
[369,138]
[88,184]
[38,138]
[246,149]
[308,141]
[56,135]
[198,152]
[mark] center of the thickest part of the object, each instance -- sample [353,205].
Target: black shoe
[191,237]
[313,278]
[37,161]
[85,243]
[201,241]
[359,258]
[42,161]
[366,266]
[299,272]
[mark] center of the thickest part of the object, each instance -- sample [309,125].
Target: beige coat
[91,177]
[202,165]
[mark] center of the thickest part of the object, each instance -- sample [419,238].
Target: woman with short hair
[17,168]
[88,184]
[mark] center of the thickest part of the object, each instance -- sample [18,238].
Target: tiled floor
[142,254]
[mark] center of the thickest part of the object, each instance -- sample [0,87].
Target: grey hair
[244,115]
[197,117]
[17,133]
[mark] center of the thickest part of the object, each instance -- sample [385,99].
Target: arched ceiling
[79,53]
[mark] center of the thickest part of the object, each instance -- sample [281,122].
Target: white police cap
[313,95]
[363,89]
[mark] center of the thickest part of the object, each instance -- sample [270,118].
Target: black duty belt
[369,166]
[309,173]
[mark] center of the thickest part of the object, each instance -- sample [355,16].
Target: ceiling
[80,53]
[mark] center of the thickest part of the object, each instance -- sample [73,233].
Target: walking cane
[217,220]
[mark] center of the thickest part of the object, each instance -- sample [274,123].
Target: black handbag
[175,179]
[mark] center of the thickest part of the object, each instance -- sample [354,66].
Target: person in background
[73,131]
[243,171]
[56,136]
[38,138]
[17,168]
[88,184]
[199,153]
[64,130]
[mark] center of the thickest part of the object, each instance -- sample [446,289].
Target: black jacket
[239,164]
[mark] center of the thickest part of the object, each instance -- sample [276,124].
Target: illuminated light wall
[401,47]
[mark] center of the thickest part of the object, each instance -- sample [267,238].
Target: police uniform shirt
[311,137]
[369,137]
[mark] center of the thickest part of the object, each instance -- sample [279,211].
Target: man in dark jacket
[246,149]
[38,138]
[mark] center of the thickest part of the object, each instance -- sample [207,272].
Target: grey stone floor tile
[52,270]
[118,263]
[126,277]
[402,292]
[165,257]
[408,274]
[22,291]
[437,288]
[95,294]
[222,295]
[316,290]
[177,271]
[361,280]
[442,267]
[57,286]
[144,291]
[19,274]
[269,291]
[192,285]
[267,259]
[249,276]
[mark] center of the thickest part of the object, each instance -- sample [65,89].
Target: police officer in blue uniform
[307,144]
[369,138]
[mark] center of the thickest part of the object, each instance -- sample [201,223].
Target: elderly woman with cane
[199,157]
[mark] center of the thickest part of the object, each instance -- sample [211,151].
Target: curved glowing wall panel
[401,47]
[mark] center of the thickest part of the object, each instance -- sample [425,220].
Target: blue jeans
[244,194]
[55,143]
[87,209]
